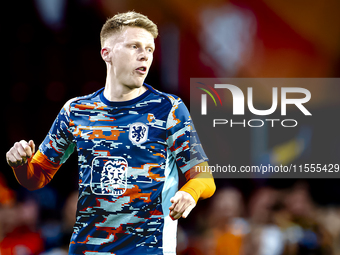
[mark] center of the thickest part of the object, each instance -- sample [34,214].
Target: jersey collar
[124,103]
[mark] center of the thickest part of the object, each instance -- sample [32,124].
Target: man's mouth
[141,69]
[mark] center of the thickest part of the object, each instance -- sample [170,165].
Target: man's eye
[150,50]
[134,46]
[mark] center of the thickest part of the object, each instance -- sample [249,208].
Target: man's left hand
[182,204]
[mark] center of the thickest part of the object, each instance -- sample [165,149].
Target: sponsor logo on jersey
[109,175]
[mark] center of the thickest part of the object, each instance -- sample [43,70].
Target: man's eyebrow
[152,45]
[139,42]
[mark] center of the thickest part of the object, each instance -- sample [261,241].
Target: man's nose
[143,55]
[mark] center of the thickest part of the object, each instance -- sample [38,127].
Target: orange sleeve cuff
[200,185]
[47,165]
[38,171]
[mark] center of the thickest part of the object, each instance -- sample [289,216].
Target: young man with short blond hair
[130,139]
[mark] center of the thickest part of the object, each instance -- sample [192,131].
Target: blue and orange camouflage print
[128,154]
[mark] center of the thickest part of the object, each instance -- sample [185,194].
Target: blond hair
[131,18]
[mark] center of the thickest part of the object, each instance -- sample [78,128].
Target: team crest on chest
[138,133]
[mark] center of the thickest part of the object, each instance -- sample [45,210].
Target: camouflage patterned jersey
[128,154]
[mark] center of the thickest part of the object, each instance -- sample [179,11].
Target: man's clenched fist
[18,154]
[182,204]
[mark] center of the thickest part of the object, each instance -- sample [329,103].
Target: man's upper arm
[182,138]
[58,144]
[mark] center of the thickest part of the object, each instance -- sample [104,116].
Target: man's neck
[115,91]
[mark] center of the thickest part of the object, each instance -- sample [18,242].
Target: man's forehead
[132,34]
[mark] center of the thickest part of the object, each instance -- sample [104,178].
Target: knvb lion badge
[138,133]
[109,175]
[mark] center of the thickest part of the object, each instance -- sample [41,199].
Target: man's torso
[128,154]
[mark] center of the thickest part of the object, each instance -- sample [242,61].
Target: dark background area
[51,53]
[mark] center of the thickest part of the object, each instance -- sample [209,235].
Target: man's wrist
[191,191]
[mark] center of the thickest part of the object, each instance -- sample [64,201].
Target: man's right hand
[18,154]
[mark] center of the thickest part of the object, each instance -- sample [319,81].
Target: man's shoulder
[171,98]
[81,100]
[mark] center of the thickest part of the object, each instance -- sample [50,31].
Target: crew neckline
[123,103]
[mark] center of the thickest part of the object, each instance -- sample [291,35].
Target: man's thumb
[32,145]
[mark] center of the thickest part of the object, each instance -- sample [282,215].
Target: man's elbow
[32,186]
[211,188]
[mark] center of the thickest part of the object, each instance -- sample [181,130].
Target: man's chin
[136,84]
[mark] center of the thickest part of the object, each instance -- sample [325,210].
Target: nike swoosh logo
[87,133]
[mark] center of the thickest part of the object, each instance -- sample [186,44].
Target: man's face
[129,54]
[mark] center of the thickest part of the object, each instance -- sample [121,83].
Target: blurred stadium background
[51,52]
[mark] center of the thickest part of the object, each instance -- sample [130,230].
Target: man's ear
[105,53]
